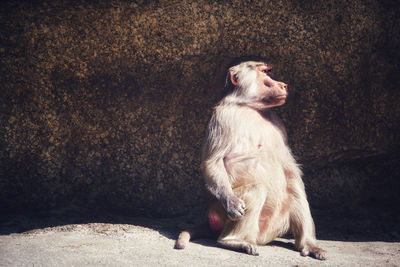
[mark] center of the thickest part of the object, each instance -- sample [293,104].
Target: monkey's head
[254,86]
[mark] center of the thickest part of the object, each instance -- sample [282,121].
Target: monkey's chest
[257,154]
[258,143]
[262,164]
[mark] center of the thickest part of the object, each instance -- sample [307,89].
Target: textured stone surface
[105,102]
[104,244]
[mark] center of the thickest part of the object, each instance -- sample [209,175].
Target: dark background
[104,103]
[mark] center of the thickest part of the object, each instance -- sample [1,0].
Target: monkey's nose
[283,86]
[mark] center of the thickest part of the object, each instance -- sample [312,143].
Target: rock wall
[105,102]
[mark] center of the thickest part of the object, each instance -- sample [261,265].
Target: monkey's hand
[234,207]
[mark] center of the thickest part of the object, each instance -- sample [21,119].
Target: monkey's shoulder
[232,112]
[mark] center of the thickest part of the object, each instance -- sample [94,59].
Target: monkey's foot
[251,249]
[313,251]
[239,245]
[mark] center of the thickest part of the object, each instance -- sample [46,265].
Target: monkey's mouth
[280,97]
[274,99]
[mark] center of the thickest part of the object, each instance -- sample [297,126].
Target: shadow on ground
[369,224]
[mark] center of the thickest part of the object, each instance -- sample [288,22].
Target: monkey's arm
[216,176]
[218,184]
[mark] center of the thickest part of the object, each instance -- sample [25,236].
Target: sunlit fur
[249,170]
[247,89]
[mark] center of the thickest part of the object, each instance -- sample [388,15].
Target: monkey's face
[270,92]
[254,85]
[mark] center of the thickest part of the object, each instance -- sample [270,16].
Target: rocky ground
[73,238]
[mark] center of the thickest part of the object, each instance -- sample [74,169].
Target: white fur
[246,148]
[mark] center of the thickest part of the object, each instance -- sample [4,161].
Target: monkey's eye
[267,71]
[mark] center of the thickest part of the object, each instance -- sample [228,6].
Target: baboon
[254,183]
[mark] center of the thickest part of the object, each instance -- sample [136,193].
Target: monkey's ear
[233,75]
